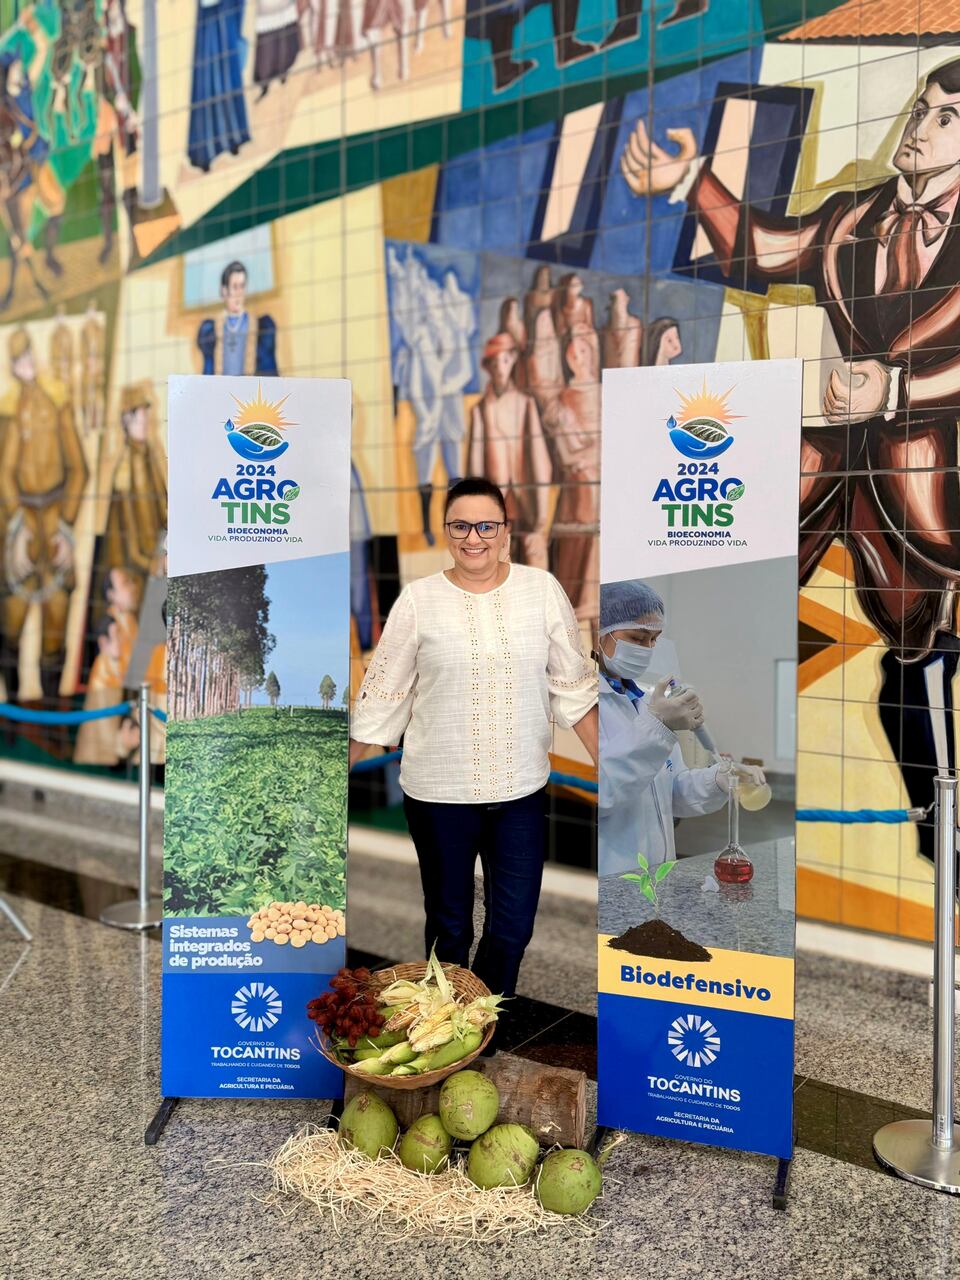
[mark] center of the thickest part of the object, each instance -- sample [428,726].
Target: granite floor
[84,1198]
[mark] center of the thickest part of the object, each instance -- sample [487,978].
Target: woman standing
[471,665]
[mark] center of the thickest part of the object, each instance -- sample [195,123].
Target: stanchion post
[143,912]
[944,962]
[928,1151]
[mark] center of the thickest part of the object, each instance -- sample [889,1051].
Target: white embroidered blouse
[472,681]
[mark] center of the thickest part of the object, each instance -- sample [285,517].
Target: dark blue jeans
[510,840]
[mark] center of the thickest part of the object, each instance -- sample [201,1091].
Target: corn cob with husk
[435,1030]
[432,1020]
[395,1056]
[403,1017]
[482,1011]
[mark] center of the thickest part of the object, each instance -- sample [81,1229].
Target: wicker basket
[467,987]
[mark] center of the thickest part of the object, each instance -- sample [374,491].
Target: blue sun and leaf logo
[702,431]
[256,431]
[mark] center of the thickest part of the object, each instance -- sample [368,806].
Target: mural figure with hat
[137,517]
[42,479]
[27,177]
[880,474]
[507,445]
[238,341]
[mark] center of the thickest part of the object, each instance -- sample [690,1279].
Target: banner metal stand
[8,911]
[925,1151]
[142,912]
[157,1125]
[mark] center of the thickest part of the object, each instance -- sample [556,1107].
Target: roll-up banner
[256,773]
[699,545]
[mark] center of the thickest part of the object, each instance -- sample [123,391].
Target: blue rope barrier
[24,715]
[846,817]
[571,780]
[374,762]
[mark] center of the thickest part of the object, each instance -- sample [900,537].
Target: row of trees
[327,690]
[219,637]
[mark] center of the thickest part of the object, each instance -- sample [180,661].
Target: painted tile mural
[470,208]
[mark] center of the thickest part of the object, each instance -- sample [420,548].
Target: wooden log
[549,1100]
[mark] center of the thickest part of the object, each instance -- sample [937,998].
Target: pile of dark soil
[656,938]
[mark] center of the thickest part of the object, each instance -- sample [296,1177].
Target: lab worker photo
[644,782]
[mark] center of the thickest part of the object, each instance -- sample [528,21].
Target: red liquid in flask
[733,870]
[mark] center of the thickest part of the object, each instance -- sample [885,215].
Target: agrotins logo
[702,432]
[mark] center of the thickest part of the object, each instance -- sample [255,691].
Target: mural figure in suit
[881,475]
[238,341]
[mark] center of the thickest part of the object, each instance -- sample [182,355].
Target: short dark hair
[947,77]
[231,269]
[474,487]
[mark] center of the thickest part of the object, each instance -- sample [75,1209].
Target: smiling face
[931,136]
[473,554]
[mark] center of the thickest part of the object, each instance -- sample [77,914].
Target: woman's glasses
[460,529]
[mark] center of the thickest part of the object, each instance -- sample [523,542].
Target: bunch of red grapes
[349,1010]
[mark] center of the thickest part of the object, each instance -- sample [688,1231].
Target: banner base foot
[906,1147]
[131,915]
[159,1122]
[780,1185]
[11,915]
[598,1139]
[336,1111]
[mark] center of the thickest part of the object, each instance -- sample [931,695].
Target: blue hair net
[622,603]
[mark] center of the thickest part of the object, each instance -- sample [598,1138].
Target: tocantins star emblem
[693,1040]
[257,1007]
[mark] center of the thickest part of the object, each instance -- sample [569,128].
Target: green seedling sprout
[647,882]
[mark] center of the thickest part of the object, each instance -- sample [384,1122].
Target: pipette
[753,795]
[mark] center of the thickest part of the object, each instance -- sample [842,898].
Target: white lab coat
[644,785]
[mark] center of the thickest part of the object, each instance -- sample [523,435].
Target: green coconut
[568,1182]
[469,1103]
[425,1145]
[368,1125]
[505,1156]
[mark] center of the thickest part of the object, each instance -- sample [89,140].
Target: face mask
[629,661]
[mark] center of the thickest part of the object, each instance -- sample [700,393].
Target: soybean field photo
[257,740]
